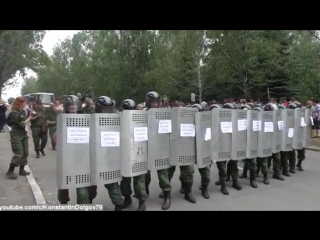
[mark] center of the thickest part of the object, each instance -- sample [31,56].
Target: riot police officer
[204,172]
[139,184]
[104,104]
[291,155]
[249,164]
[71,105]
[153,100]
[232,168]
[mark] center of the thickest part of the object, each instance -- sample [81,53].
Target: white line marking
[35,187]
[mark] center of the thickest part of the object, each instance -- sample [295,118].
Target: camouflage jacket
[51,117]
[88,110]
[41,119]
[15,121]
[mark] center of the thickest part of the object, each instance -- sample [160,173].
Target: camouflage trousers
[262,164]
[301,154]
[228,169]
[85,195]
[40,138]
[20,149]
[164,180]
[276,161]
[250,164]
[52,131]
[205,175]
[291,156]
[138,186]
[186,173]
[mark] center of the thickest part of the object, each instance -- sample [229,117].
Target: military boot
[10,174]
[182,189]
[253,182]
[218,183]
[142,205]
[126,202]
[166,200]
[188,193]
[277,175]
[38,154]
[90,201]
[23,172]
[42,152]
[285,172]
[236,184]
[204,191]
[223,188]
[118,208]
[299,165]
[265,179]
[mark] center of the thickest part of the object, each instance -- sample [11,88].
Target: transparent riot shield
[265,135]
[254,125]
[288,130]
[278,128]
[298,128]
[239,135]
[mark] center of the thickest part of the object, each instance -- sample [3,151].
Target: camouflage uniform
[301,157]
[88,110]
[276,159]
[39,131]
[52,123]
[19,143]
[285,156]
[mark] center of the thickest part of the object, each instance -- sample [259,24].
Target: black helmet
[197,105]
[128,104]
[152,96]
[228,105]
[270,107]
[281,106]
[104,104]
[214,106]
[72,104]
[245,107]
[294,105]
[258,109]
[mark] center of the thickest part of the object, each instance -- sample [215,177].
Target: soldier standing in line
[52,122]
[39,128]
[139,184]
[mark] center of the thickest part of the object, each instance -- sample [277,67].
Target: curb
[313,149]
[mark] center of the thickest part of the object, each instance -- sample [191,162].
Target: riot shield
[105,148]
[183,136]
[266,134]
[288,130]
[277,134]
[221,134]
[73,151]
[306,130]
[159,130]
[134,142]
[254,125]
[239,135]
[298,127]
[203,139]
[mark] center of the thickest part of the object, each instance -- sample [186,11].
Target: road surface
[298,192]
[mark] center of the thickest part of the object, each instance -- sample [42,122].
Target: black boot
[182,189]
[166,200]
[285,172]
[42,152]
[236,184]
[277,175]
[204,191]
[253,182]
[292,170]
[161,195]
[126,202]
[223,188]
[90,201]
[142,205]
[118,208]
[38,154]
[10,174]
[265,179]
[218,183]
[299,165]
[22,172]
[188,193]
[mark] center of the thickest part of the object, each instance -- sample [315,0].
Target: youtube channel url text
[52,208]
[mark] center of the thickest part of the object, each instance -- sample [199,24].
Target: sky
[51,38]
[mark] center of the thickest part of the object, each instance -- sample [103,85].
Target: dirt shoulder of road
[315,142]
[12,192]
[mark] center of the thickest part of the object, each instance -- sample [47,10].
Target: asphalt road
[301,191]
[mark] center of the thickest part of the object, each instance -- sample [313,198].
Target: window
[45,98]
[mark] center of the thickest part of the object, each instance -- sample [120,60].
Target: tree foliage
[214,64]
